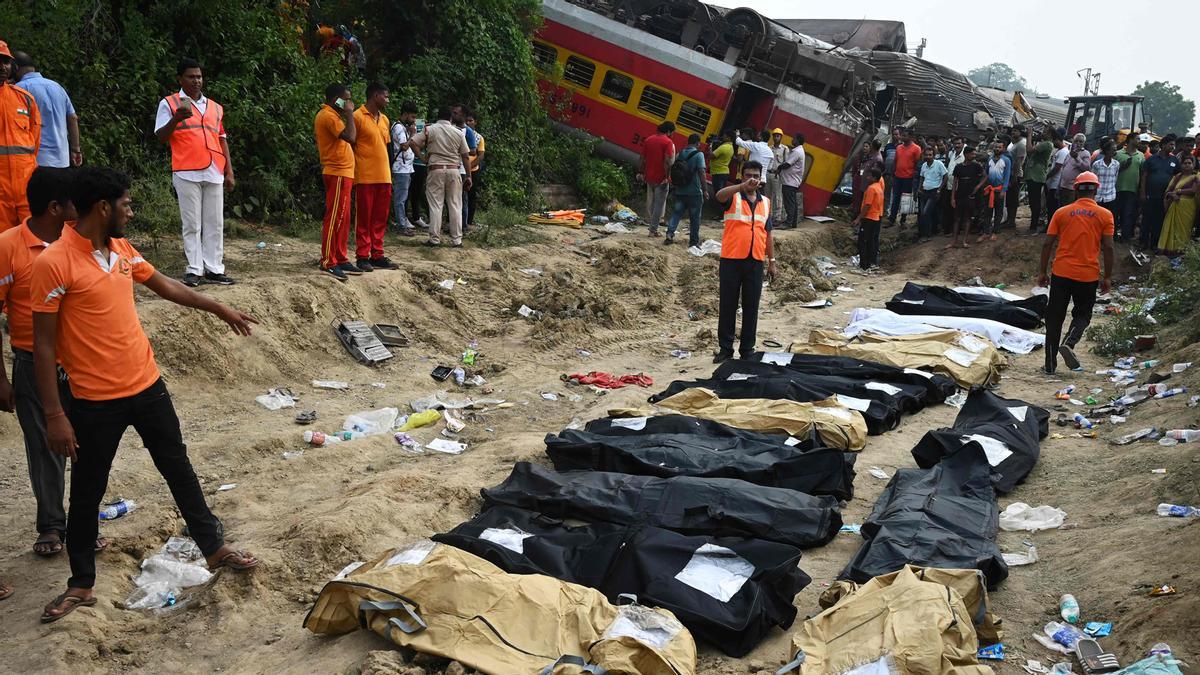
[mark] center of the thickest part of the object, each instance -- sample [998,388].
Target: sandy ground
[626,300]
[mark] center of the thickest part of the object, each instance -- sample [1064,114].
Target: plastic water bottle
[1171,392]
[1133,398]
[1184,435]
[1068,607]
[1180,367]
[114,511]
[1160,649]
[1082,422]
[319,438]
[1149,364]
[1178,511]
[1064,393]
[1063,633]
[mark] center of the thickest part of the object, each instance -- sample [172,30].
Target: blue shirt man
[60,126]
[932,174]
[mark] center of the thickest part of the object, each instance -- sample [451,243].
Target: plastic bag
[166,573]
[276,399]
[709,246]
[371,422]
[1021,516]
[908,205]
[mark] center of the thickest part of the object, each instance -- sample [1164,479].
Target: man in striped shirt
[1106,167]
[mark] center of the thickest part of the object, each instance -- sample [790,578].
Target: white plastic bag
[371,422]
[1021,516]
[275,399]
[908,205]
[175,567]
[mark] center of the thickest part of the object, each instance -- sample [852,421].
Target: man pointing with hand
[84,318]
[745,245]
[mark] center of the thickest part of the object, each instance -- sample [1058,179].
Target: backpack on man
[682,172]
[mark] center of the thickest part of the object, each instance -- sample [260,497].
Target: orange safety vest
[196,142]
[745,229]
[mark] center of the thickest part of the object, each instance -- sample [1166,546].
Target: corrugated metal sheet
[864,34]
[944,101]
[1000,105]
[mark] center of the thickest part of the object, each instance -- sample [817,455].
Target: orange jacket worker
[745,246]
[1078,233]
[20,138]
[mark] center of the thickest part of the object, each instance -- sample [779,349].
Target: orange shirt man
[49,196]
[868,218]
[84,318]
[372,180]
[20,138]
[1081,231]
[336,134]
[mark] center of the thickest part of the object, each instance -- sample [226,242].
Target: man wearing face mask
[745,246]
[84,318]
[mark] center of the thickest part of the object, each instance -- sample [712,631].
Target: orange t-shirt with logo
[337,157]
[18,249]
[1080,227]
[872,203]
[100,340]
[371,164]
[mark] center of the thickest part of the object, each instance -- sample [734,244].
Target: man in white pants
[201,170]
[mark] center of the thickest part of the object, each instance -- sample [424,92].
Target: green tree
[1172,112]
[1001,76]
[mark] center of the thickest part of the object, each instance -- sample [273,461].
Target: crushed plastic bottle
[1180,367]
[1171,392]
[1183,435]
[1068,608]
[1148,432]
[117,509]
[1063,633]
[1064,394]
[1177,511]
[1082,422]
[1160,649]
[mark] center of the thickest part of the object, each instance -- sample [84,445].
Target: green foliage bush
[1176,301]
[600,181]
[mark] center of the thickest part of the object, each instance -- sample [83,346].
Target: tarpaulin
[446,602]
[610,381]
[713,506]
[887,322]
[729,591]
[837,425]
[936,387]
[772,462]
[917,625]
[970,360]
[1008,430]
[942,301]
[970,584]
[877,409]
[941,517]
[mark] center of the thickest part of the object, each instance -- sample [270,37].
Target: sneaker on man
[350,268]
[335,272]
[219,279]
[1069,358]
[408,232]
[192,280]
[668,240]
[384,263]
[422,224]
[364,265]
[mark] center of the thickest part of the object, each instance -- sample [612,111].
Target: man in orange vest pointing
[20,137]
[745,246]
[193,125]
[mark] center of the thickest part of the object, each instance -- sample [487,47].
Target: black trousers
[790,204]
[1127,210]
[1153,213]
[1051,202]
[868,243]
[1034,191]
[472,198]
[46,468]
[1012,199]
[1082,296]
[99,426]
[416,192]
[741,280]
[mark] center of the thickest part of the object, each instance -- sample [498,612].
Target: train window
[655,101]
[579,72]
[694,116]
[544,57]
[616,86]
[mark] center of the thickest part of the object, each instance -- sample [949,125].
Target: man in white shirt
[1106,169]
[402,165]
[1057,161]
[791,173]
[200,170]
[760,150]
[1018,149]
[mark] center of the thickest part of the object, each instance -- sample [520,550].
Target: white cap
[1145,137]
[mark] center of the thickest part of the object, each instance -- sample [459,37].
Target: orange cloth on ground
[371,163]
[100,342]
[18,249]
[1080,228]
[337,157]
[872,203]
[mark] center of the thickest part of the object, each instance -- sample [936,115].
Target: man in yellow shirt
[476,171]
[336,133]
[372,180]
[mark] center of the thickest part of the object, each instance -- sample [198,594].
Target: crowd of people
[960,189]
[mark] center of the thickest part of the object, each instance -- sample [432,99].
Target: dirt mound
[801,281]
[699,286]
[573,305]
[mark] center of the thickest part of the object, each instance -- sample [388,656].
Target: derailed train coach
[617,70]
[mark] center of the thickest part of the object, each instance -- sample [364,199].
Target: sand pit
[309,516]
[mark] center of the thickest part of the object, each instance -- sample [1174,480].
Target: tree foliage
[1172,112]
[117,58]
[1001,76]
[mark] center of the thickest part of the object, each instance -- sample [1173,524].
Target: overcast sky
[1045,42]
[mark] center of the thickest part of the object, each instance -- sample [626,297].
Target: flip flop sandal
[51,538]
[772,344]
[1093,659]
[75,603]
[101,544]
[5,590]
[306,417]
[226,561]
